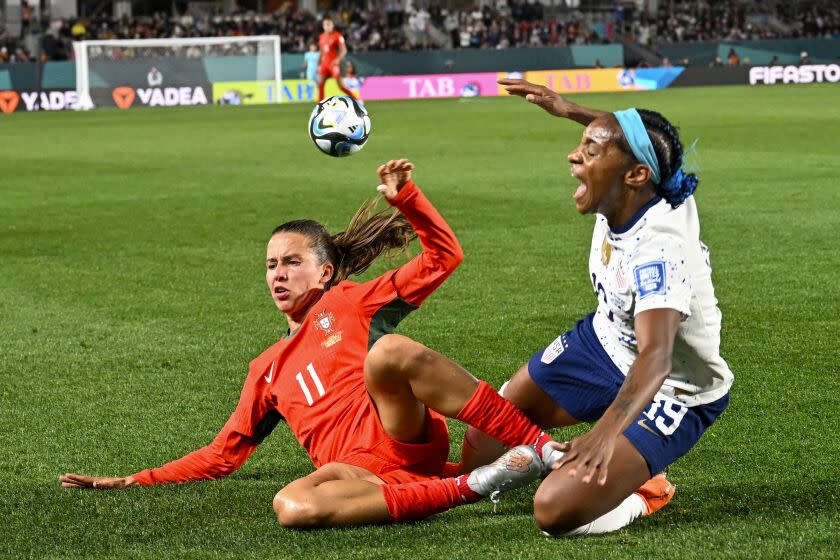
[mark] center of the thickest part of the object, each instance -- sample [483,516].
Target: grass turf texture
[132,298]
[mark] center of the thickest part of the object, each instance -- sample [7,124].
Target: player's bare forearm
[645,378]
[550,101]
[583,115]
[656,330]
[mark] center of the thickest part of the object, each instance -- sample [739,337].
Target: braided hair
[675,184]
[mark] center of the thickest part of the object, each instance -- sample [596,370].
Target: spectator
[25,18]
[732,59]
[78,30]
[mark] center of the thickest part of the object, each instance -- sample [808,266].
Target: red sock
[321,85]
[417,500]
[492,414]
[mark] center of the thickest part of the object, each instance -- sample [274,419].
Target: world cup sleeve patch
[650,278]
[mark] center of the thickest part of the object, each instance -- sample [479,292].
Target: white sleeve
[659,270]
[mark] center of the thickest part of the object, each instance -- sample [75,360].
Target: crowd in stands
[505,23]
[730,21]
[12,49]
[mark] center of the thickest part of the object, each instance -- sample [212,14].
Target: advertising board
[154,87]
[47,100]
[262,92]
[804,74]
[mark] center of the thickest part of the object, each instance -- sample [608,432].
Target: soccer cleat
[550,455]
[547,452]
[516,468]
[656,492]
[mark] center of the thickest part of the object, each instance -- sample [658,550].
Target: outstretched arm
[248,425]
[551,101]
[441,254]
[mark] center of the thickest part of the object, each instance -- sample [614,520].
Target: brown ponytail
[368,235]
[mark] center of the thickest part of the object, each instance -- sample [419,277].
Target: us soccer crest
[606,251]
[324,321]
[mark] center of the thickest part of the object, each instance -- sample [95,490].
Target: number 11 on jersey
[315,379]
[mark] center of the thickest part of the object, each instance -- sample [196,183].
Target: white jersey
[658,261]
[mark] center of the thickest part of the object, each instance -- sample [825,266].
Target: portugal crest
[324,321]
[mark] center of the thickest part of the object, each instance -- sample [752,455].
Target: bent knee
[395,353]
[296,514]
[556,515]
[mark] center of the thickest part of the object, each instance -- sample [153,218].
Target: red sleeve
[422,275]
[253,419]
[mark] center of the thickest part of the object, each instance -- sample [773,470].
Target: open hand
[393,176]
[71,480]
[588,456]
[549,100]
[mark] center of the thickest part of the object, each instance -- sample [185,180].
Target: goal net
[129,73]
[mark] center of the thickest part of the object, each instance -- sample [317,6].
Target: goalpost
[179,70]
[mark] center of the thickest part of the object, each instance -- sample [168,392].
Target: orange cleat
[656,492]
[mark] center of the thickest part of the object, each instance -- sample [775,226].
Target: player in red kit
[368,406]
[333,50]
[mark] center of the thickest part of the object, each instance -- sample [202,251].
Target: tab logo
[9,101]
[123,97]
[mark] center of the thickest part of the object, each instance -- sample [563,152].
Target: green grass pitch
[132,298]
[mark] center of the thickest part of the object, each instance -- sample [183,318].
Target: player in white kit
[645,366]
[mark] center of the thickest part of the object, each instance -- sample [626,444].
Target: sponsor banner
[262,92]
[126,97]
[431,85]
[426,86]
[599,79]
[805,74]
[47,100]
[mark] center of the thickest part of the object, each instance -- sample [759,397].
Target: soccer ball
[339,126]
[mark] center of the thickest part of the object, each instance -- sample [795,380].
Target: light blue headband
[636,135]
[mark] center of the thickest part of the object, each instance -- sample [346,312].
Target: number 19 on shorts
[666,414]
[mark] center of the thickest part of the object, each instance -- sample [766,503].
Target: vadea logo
[9,101]
[171,96]
[805,74]
[123,96]
[160,97]
[54,100]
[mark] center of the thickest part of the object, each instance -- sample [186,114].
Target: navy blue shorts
[579,375]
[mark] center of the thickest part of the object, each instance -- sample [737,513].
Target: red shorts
[329,70]
[396,462]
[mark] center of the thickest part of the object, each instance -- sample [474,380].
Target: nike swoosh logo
[648,428]
[270,375]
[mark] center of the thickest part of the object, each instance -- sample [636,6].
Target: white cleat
[518,467]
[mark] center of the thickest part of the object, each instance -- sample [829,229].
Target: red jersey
[329,44]
[313,377]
